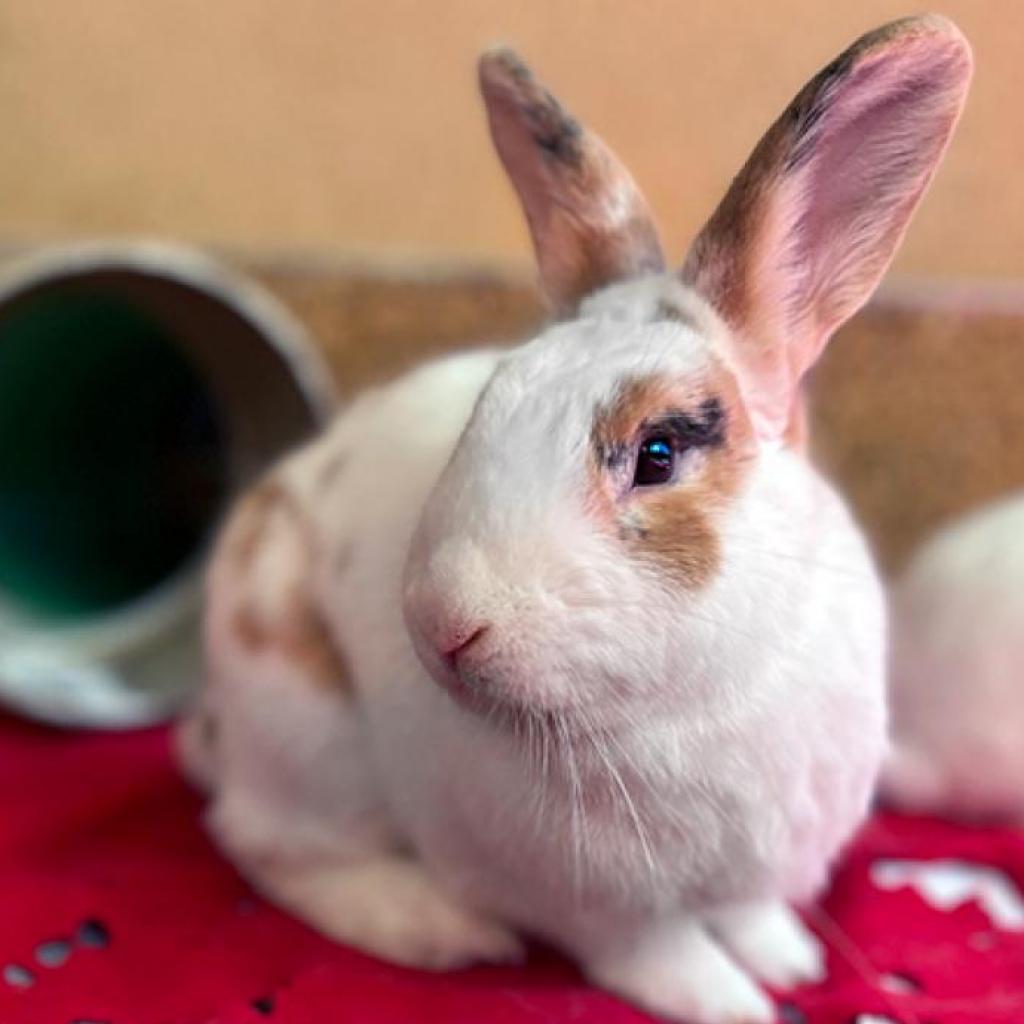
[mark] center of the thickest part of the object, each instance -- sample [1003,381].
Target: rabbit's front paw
[677,971]
[771,942]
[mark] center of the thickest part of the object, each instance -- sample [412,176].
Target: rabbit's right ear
[813,219]
[589,222]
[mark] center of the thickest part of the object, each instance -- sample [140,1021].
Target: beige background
[353,125]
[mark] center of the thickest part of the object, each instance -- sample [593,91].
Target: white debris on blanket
[898,984]
[948,884]
[43,682]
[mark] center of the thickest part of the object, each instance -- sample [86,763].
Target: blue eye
[655,461]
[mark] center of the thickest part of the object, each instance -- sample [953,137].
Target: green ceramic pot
[140,387]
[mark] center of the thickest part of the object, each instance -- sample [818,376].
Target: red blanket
[115,908]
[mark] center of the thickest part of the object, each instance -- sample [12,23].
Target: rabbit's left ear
[589,222]
[813,219]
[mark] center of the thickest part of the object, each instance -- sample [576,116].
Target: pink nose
[459,641]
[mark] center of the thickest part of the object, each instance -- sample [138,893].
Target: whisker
[616,777]
[575,804]
[544,774]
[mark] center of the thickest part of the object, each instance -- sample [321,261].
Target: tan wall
[354,124]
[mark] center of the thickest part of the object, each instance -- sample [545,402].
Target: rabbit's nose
[456,644]
[456,653]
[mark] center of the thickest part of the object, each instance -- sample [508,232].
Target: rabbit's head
[568,554]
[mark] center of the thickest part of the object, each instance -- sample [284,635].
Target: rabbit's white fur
[665,704]
[732,787]
[958,670]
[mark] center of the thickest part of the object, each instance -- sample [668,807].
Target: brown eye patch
[698,419]
[617,422]
[673,528]
[704,427]
[664,443]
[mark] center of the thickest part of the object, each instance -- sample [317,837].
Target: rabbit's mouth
[512,714]
[475,685]
[474,688]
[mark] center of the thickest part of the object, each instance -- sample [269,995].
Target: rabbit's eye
[655,461]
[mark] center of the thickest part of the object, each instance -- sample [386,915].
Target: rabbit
[957,667]
[569,640]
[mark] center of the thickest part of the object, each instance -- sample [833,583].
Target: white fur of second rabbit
[957,675]
[676,713]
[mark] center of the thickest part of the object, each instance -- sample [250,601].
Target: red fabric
[100,828]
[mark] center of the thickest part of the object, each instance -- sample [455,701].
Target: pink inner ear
[880,143]
[825,202]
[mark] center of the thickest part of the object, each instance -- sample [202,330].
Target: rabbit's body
[593,836]
[958,670]
[568,640]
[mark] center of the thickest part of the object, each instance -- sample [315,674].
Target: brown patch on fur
[250,518]
[310,642]
[678,531]
[590,224]
[636,398]
[250,629]
[287,621]
[674,528]
[301,635]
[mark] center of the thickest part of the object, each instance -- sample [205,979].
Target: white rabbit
[958,670]
[567,641]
